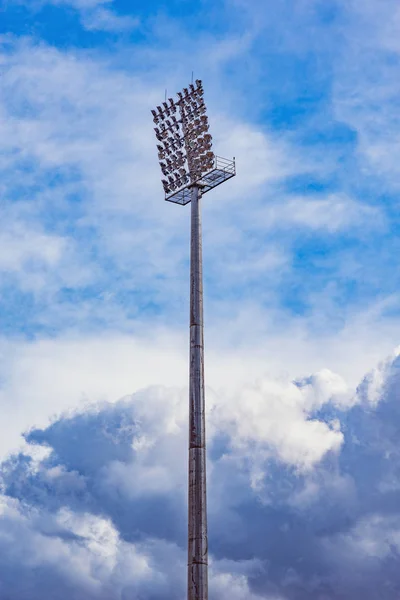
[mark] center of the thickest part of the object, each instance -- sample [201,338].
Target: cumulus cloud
[303,475]
[303,496]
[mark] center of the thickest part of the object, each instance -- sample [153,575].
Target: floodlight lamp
[205,160]
[195,97]
[180,96]
[160,111]
[172,104]
[186,92]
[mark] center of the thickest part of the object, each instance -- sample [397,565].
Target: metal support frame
[197,498]
[222,170]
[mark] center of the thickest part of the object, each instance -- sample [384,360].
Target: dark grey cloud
[103,515]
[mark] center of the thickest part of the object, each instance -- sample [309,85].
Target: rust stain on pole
[197,500]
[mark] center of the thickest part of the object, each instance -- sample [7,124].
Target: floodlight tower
[191,169]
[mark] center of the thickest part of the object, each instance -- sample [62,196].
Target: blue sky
[312,201]
[301,280]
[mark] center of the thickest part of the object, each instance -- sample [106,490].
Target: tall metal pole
[190,169]
[197,509]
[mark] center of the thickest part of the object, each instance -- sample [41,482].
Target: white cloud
[273,417]
[377,382]
[275,532]
[105,20]
[43,377]
[366,87]
[331,214]
[19,247]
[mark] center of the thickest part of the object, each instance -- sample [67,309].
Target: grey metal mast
[191,169]
[197,497]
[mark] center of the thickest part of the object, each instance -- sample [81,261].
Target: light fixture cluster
[195,125]
[171,147]
[185,146]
